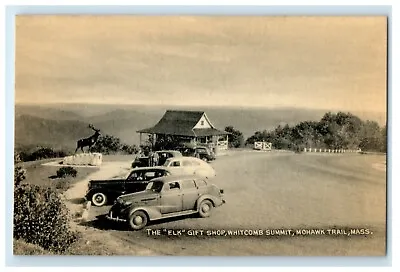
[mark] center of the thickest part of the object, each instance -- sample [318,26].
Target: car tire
[205,159]
[138,220]
[99,199]
[205,208]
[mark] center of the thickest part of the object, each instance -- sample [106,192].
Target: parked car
[201,152]
[163,155]
[189,166]
[167,197]
[101,192]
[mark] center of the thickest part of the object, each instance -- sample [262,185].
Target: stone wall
[93,159]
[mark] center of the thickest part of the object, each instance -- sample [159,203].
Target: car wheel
[205,159]
[138,220]
[205,208]
[99,199]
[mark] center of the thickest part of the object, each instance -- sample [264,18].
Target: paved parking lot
[268,191]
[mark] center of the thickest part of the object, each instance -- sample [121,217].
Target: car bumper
[220,203]
[110,216]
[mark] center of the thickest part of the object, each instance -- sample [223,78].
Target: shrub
[66,171]
[19,172]
[108,144]
[129,149]
[41,218]
[235,139]
[41,153]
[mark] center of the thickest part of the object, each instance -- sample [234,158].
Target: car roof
[168,151]
[178,178]
[183,158]
[151,168]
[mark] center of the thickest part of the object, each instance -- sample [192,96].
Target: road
[267,191]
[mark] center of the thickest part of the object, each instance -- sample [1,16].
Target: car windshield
[155,186]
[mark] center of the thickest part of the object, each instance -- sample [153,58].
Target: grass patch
[82,246]
[21,247]
[116,158]
[46,176]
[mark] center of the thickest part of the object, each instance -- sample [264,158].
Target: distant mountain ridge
[35,131]
[46,112]
[62,125]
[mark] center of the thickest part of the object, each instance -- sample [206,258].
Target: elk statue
[90,141]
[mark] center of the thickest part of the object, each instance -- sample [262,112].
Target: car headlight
[121,202]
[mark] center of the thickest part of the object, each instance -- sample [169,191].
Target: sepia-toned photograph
[200,135]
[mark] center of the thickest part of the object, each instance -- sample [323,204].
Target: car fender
[91,192]
[152,212]
[213,199]
[111,195]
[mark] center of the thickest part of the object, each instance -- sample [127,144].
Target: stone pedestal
[92,159]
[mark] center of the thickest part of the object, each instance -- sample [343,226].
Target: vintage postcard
[200,135]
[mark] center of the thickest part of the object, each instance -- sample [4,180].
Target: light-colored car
[189,166]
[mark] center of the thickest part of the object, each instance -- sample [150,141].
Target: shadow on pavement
[102,223]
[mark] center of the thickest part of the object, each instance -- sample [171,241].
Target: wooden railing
[222,145]
[263,146]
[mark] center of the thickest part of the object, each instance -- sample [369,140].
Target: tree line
[106,144]
[334,131]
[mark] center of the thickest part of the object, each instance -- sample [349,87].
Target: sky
[336,63]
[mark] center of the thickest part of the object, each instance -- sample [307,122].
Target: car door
[188,167]
[136,182]
[171,197]
[176,166]
[190,194]
[113,189]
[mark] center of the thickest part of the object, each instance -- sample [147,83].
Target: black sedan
[101,192]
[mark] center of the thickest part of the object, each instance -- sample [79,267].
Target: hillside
[64,124]
[32,131]
[123,123]
[46,112]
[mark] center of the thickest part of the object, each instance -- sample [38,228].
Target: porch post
[154,140]
[140,138]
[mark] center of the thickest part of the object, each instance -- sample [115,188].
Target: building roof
[181,123]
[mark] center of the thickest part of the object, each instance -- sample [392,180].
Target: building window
[202,123]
